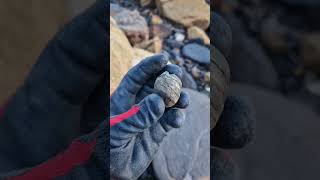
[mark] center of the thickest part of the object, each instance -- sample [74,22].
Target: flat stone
[197,53]
[186,12]
[185,151]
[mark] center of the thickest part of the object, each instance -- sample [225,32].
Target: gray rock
[185,151]
[197,53]
[131,23]
[188,81]
[286,143]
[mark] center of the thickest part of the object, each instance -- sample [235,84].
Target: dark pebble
[196,52]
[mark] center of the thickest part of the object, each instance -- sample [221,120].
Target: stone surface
[188,81]
[145,3]
[310,51]
[184,152]
[169,86]
[285,144]
[160,30]
[120,62]
[140,54]
[186,12]
[131,22]
[179,37]
[197,33]
[153,45]
[197,53]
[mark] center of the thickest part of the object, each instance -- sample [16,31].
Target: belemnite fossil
[169,87]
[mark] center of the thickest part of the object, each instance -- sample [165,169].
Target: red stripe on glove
[115,120]
[77,154]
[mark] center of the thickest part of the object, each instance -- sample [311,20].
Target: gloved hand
[63,98]
[236,124]
[144,120]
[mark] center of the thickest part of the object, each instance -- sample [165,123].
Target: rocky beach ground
[142,28]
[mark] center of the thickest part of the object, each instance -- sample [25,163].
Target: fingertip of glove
[176,118]
[156,104]
[184,100]
[174,69]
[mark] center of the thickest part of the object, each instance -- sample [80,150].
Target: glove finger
[74,62]
[173,118]
[150,110]
[173,69]
[236,125]
[141,74]
[183,101]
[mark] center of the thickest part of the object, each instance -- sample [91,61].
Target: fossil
[169,87]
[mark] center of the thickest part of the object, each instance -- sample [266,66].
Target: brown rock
[131,23]
[186,12]
[120,62]
[161,30]
[155,19]
[153,45]
[197,33]
[140,54]
[145,3]
[310,51]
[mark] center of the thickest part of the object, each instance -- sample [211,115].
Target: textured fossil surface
[169,87]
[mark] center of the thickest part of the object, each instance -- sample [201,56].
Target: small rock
[197,33]
[131,22]
[207,77]
[310,51]
[186,12]
[155,19]
[173,43]
[196,72]
[153,45]
[188,81]
[161,30]
[196,52]
[145,3]
[179,37]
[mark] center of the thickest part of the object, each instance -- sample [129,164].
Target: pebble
[197,53]
[179,37]
[161,30]
[173,43]
[188,81]
[196,72]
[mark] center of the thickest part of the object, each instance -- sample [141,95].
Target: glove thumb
[136,120]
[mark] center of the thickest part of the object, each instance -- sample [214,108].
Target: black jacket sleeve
[63,98]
